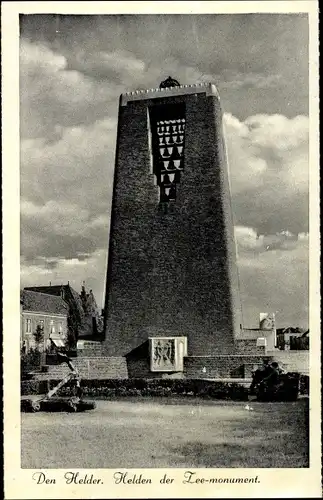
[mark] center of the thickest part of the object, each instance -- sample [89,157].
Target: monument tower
[172,260]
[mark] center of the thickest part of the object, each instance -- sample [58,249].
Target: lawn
[168,433]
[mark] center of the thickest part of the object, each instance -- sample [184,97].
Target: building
[92,324]
[75,318]
[84,316]
[48,313]
[172,271]
[249,339]
[292,338]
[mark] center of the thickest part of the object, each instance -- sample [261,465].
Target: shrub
[144,387]
[29,387]
[30,361]
[39,335]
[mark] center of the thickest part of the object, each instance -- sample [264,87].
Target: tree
[83,297]
[29,362]
[72,332]
[39,336]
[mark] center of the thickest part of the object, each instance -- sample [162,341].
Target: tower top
[169,82]
[169,91]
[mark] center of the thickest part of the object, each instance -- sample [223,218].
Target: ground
[168,433]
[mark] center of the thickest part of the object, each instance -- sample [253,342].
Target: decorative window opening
[168,145]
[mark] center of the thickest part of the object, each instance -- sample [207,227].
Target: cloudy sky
[72,71]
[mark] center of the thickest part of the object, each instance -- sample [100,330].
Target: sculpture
[169,82]
[164,352]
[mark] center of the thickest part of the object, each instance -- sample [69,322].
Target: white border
[283,483]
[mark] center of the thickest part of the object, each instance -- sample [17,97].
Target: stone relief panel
[167,353]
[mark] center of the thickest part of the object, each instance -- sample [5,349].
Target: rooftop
[197,88]
[70,296]
[42,302]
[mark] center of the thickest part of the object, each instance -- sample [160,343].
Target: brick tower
[172,259]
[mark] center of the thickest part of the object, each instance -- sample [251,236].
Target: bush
[108,388]
[30,361]
[29,387]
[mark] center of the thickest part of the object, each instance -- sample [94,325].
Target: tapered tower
[172,260]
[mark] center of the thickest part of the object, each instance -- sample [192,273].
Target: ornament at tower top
[169,82]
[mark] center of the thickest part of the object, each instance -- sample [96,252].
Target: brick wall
[294,361]
[92,368]
[97,349]
[220,366]
[174,273]
[248,346]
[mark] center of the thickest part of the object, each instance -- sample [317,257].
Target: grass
[168,433]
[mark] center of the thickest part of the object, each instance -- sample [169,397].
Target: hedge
[30,361]
[150,387]
[143,387]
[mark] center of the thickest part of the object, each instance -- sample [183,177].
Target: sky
[72,72]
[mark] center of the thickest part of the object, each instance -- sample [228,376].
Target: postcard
[161,250]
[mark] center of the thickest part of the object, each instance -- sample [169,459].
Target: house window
[28,325]
[60,328]
[41,324]
[52,327]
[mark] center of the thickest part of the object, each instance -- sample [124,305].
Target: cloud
[284,134]
[56,231]
[92,270]
[248,239]
[78,168]
[260,61]
[51,95]
[118,65]
[269,170]
[69,100]
[238,80]
[303,236]
[66,189]
[275,281]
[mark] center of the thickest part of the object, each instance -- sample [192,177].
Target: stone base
[207,367]
[137,365]
[89,368]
